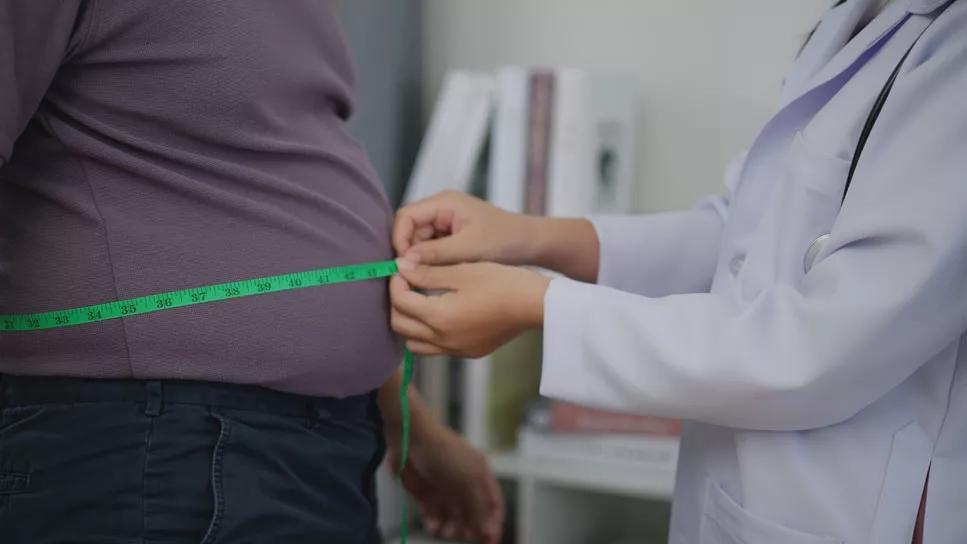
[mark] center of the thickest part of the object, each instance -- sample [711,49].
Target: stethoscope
[819,244]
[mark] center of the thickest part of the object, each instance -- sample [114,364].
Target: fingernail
[413,257]
[408,261]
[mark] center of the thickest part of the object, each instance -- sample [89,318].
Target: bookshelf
[559,142]
[565,501]
[561,502]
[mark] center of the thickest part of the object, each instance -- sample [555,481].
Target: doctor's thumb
[447,250]
[431,278]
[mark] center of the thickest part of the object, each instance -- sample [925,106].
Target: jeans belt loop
[154,399]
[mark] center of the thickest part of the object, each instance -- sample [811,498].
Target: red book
[571,418]
[538,142]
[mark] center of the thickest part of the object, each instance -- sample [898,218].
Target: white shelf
[652,484]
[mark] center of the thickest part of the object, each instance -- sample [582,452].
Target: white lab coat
[819,400]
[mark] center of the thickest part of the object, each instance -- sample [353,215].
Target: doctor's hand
[483,306]
[453,227]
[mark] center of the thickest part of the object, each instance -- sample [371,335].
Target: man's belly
[64,248]
[331,340]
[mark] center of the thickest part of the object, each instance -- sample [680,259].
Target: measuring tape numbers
[225,291]
[199,295]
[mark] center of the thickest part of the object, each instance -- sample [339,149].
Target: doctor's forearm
[568,246]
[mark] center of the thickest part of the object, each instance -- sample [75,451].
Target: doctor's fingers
[407,231]
[411,328]
[424,233]
[432,213]
[425,348]
[447,278]
[408,302]
[455,248]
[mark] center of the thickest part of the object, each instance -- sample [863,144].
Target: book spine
[571,173]
[541,100]
[455,138]
[508,152]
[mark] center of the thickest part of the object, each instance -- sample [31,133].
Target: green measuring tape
[199,295]
[226,291]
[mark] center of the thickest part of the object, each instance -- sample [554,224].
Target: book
[449,158]
[574,419]
[573,154]
[456,136]
[593,144]
[540,111]
[614,112]
[571,187]
[508,143]
[562,143]
[498,387]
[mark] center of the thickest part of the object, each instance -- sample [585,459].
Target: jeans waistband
[34,390]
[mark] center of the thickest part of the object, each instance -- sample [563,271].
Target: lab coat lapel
[831,34]
[843,21]
[922,7]
[769,149]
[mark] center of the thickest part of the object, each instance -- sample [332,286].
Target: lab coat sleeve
[660,254]
[35,37]
[664,253]
[889,293]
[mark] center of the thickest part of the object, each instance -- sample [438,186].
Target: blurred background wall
[709,71]
[385,39]
[385,42]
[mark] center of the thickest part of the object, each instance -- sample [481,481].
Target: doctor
[825,382]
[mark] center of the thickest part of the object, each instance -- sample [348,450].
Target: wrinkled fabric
[156,146]
[817,400]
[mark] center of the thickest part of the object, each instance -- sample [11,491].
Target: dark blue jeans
[127,461]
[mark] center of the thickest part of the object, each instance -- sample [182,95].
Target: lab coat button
[735,265]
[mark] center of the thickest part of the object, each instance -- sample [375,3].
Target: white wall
[709,70]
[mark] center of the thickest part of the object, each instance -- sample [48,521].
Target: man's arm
[35,39]
[457,494]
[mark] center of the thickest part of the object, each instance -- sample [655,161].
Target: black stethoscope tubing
[817,245]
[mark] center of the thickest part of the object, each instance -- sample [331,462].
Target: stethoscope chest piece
[813,251]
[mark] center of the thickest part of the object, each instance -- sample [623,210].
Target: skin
[466,251]
[469,250]
[456,493]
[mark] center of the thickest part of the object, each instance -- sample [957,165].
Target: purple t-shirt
[149,146]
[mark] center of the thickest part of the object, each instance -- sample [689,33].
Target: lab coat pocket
[906,472]
[813,195]
[726,522]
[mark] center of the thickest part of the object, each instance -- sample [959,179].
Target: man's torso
[189,143]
